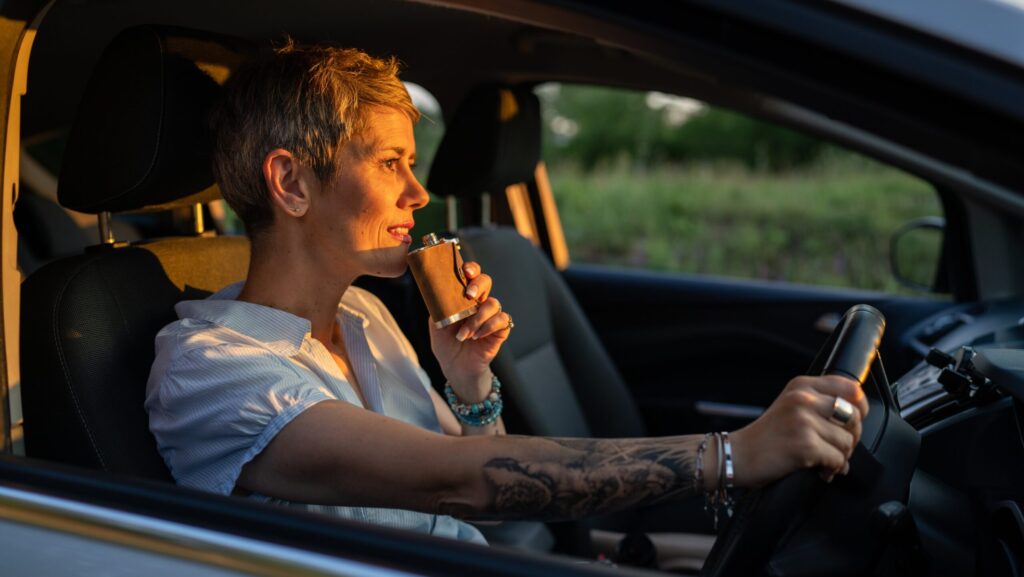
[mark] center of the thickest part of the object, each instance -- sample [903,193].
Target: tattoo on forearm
[573,478]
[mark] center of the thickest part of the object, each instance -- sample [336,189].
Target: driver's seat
[89,321]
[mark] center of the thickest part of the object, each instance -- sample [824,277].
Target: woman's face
[362,221]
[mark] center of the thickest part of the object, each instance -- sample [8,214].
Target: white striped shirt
[229,375]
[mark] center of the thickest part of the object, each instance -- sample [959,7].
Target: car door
[711,353]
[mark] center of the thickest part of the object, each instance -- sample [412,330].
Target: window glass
[429,132]
[660,182]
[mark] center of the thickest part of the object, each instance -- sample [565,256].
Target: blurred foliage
[917,255]
[612,124]
[826,224]
[714,192]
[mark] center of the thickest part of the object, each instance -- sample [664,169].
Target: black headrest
[492,141]
[140,140]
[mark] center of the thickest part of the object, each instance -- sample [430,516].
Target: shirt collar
[280,331]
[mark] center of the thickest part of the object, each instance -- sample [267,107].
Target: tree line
[590,126]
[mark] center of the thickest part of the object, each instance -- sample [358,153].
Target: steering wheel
[799,525]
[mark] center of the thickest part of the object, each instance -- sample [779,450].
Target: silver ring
[842,410]
[511,325]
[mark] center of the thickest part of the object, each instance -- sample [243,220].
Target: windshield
[989,26]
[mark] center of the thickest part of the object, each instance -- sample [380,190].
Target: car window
[659,182]
[428,132]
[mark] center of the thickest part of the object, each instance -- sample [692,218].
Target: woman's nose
[415,195]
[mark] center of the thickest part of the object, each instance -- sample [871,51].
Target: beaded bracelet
[477,414]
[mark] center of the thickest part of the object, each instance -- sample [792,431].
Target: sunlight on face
[364,218]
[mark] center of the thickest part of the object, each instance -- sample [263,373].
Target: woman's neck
[286,278]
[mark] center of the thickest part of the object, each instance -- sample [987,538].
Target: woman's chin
[391,270]
[386,262]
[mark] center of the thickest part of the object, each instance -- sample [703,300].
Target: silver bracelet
[720,497]
[711,494]
[729,473]
[698,473]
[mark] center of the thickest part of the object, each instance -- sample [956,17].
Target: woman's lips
[401,232]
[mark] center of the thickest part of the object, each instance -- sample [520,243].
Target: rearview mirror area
[915,250]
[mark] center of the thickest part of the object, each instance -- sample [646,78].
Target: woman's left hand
[465,349]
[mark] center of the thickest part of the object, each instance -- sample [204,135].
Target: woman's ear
[288,182]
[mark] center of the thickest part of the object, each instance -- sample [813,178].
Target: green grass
[828,224]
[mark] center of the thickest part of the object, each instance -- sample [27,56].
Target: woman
[297,387]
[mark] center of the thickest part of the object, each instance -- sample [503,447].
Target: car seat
[89,321]
[560,380]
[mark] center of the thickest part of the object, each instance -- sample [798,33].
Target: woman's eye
[391,163]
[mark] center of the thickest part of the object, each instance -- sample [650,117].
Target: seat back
[88,328]
[561,381]
[564,384]
[88,322]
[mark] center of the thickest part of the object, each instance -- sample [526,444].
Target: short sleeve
[215,408]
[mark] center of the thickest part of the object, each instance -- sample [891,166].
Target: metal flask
[437,268]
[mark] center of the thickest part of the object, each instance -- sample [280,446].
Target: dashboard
[922,398]
[966,400]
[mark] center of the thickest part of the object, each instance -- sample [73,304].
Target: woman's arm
[558,479]
[336,453]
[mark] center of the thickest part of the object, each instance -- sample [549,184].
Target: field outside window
[658,182]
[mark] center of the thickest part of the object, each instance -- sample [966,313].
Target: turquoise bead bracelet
[477,414]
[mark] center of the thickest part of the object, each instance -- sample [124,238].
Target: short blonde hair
[309,100]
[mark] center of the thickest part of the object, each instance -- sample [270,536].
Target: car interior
[126,292]
[597,352]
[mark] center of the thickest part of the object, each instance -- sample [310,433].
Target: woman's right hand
[797,432]
[465,349]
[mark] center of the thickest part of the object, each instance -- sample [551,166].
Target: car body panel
[77,538]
